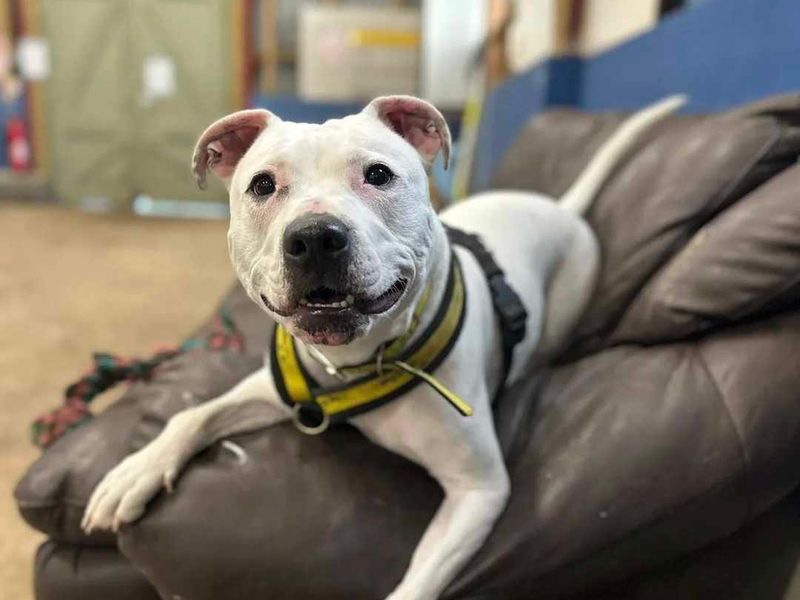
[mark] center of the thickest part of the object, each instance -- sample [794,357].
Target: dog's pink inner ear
[222,145]
[418,122]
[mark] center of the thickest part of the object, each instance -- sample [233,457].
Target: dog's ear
[223,144]
[417,121]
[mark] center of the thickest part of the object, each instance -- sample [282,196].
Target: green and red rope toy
[109,370]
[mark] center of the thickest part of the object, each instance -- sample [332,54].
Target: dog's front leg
[464,457]
[461,525]
[123,493]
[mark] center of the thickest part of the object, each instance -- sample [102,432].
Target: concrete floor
[72,283]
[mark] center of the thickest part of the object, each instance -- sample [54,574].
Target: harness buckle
[509,307]
[298,416]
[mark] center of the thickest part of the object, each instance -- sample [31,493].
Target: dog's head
[331,225]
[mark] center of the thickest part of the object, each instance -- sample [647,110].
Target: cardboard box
[355,52]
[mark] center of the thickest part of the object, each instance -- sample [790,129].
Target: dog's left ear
[222,145]
[416,121]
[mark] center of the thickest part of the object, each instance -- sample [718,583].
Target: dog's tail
[578,198]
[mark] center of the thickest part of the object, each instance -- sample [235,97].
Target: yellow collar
[395,371]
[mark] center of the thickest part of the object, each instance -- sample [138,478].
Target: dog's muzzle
[325,301]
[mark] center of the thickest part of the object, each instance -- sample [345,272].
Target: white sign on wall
[33,58]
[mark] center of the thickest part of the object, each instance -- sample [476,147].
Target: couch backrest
[692,234]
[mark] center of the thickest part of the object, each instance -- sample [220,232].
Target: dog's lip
[271,307]
[322,301]
[384,301]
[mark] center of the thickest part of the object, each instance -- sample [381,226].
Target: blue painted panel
[510,106]
[722,52]
[291,108]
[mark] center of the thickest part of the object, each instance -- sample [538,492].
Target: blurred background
[105,242]
[102,100]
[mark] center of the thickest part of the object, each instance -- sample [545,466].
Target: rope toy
[109,370]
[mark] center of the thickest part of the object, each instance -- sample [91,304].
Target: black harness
[507,304]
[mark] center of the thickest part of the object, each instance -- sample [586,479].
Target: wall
[532,33]
[720,52]
[509,107]
[606,23]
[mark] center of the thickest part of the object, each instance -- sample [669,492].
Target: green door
[133,83]
[89,98]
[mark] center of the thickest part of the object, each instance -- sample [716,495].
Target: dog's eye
[263,185]
[378,175]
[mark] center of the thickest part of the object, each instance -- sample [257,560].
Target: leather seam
[776,292]
[747,468]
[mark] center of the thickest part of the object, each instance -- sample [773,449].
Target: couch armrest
[54,491]
[71,572]
[624,460]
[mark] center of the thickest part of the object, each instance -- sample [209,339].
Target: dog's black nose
[316,241]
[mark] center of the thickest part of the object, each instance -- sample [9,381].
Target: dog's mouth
[334,317]
[324,300]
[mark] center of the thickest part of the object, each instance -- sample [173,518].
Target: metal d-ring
[307,429]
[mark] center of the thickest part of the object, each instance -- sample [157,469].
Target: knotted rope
[109,370]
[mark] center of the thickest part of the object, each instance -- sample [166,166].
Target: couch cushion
[744,262]
[682,174]
[760,562]
[329,516]
[552,150]
[657,201]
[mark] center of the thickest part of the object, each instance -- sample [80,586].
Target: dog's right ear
[222,145]
[418,122]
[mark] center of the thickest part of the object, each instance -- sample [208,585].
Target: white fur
[550,257]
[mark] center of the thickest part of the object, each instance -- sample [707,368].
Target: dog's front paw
[122,495]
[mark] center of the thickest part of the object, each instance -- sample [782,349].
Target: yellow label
[391,38]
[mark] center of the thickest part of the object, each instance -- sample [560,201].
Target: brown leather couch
[656,459]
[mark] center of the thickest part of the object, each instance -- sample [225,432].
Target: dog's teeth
[350,300]
[342,304]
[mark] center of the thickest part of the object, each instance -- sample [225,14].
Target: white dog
[332,233]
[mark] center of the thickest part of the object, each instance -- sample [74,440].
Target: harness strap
[507,304]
